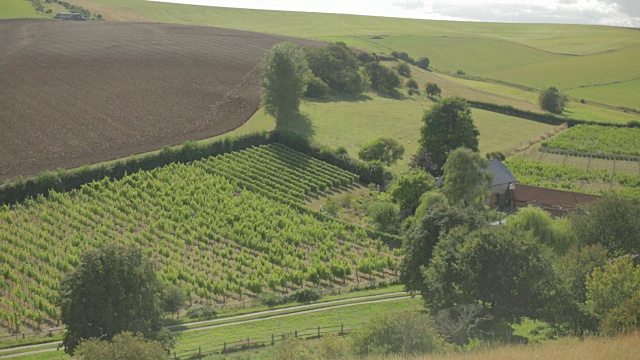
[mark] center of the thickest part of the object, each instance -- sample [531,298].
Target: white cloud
[600,12]
[409,4]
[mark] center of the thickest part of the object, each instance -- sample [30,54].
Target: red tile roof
[550,198]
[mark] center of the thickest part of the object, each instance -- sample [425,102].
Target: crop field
[597,141]
[75,93]
[206,225]
[570,177]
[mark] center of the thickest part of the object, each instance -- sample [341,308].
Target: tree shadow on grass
[299,124]
[340,97]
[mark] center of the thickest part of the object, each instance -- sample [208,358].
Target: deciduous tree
[467,180]
[113,289]
[448,126]
[433,90]
[506,271]
[552,100]
[284,75]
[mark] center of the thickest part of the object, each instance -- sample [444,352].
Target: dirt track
[74,93]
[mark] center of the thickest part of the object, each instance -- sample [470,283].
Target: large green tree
[425,233]
[382,78]
[113,289]
[467,180]
[612,222]
[284,75]
[448,125]
[552,100]
[508,272]
[337,66]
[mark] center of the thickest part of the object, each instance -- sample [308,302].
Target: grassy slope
[619,94]
[16,9]
[353,123]
[527,54]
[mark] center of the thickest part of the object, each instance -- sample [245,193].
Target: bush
[202,312]
[423,63]
[413,92]
[123,346]
[386,150]
[460,72]
[404,332]
[331,207]
[411,84]
[316,87]
[403,69]
[385,215]
[306,294]
[624,318]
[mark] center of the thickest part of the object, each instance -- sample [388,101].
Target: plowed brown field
[74,93]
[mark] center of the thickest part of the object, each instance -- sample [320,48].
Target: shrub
[385,215]
[123,346]
[403,69]
[402,332]
[202,312]
[423,63]
[331,207]
[411,84]
[316,87]
[306,294]
[413,92]
[460,72]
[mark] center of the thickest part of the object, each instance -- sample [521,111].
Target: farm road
[265,315]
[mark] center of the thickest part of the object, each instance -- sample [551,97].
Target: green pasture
[618,94]
[17,9]
[565,39]
[574,109]
[351,122]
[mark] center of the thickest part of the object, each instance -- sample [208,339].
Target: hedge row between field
[539,117]
[62,180]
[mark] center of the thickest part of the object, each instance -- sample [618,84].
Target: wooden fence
[249,343]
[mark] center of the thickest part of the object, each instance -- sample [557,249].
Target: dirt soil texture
[81,92]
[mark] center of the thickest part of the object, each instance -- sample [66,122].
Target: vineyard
[216,226]
[595,140]
[566,177]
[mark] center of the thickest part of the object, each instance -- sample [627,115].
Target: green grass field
[17,9]
[353,123]
[618,94]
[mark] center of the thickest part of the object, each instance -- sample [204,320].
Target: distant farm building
[71,16]
[503,179]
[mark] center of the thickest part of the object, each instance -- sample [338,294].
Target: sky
[598,12]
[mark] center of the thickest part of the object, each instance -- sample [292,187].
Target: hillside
[83,92]
[581,60]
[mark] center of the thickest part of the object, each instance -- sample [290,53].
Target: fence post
[224,347]
[318,331]
[175,356]
[199,352]
[341,329]
[248,343]
[273,341]
[296,334]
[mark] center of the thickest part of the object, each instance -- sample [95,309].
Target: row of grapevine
[221,227]
[598,141]
[566,177]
